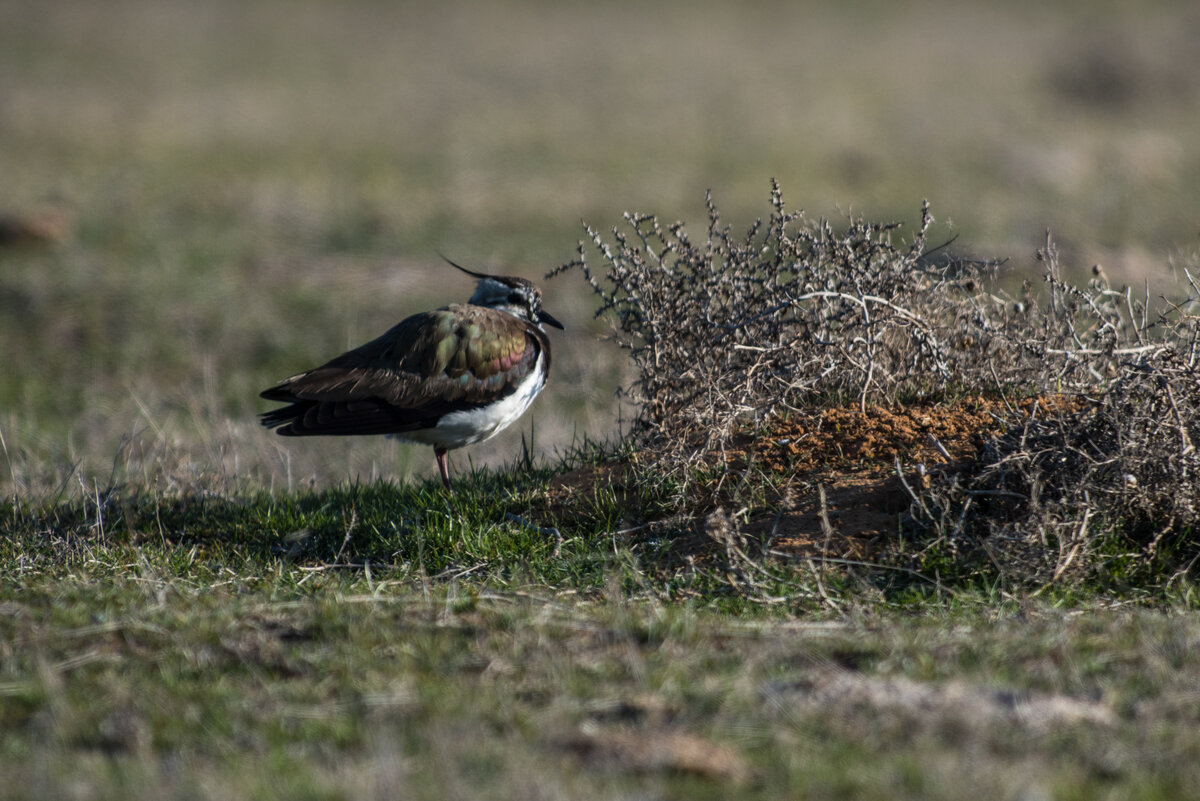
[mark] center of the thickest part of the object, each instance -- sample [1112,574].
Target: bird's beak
[545,317]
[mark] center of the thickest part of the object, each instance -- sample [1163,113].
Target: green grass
[208,663]
[339,643]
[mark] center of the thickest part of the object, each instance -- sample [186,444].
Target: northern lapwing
[447,378]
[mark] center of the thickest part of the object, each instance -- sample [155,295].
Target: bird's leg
[443,466]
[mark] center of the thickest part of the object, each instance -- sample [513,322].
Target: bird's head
[517,296]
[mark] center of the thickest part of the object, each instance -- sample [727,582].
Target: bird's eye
[515,298]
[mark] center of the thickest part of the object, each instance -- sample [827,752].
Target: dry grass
[256,187]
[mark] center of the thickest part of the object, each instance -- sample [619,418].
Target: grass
[341,643]
[192,608]
[231,170]
[216,667]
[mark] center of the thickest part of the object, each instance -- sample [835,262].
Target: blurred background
[199,199]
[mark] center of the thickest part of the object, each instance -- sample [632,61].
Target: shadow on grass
[481,522]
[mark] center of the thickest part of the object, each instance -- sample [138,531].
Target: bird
[450,377]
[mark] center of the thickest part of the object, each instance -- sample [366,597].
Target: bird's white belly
[467,427]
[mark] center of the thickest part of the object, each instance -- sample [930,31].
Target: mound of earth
[858,460]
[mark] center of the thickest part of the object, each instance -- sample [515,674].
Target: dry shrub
[727,331]
[1113,478]
[1058,493]
[735,328]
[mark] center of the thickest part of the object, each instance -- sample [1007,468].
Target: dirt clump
[872,439]
[850,473]
[837,492]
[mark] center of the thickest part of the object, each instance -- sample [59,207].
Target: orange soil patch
[853,456]
[848,438]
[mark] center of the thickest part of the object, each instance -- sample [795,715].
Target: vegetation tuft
[1095,392]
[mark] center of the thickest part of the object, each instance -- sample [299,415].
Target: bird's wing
[426,366]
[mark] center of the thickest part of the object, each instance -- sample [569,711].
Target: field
[199,200]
